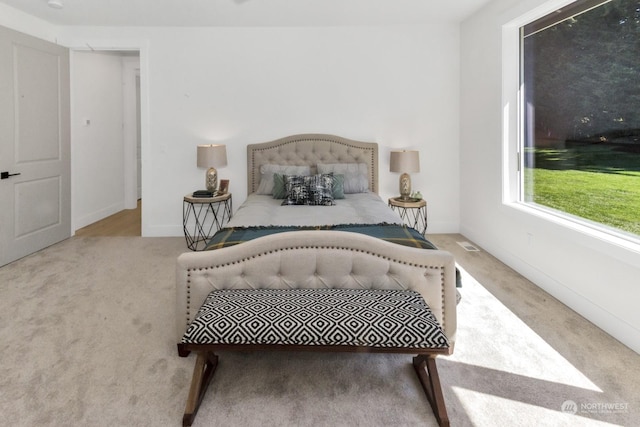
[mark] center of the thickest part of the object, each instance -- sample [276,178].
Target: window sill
[608,241]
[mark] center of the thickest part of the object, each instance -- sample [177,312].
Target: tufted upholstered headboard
[311,149]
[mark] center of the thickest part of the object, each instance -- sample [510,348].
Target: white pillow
[267,171]
[355,175]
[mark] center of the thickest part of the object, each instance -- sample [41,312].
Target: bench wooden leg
[427,371]
[206,364]
[182,352]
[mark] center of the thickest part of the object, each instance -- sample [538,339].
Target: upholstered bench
[373,320]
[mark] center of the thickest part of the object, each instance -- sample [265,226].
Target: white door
[35,189]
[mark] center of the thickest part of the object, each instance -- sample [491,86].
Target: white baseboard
[162,231]
[624,332]
[98,215]
[442,227]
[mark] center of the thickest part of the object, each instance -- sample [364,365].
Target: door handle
[5,175]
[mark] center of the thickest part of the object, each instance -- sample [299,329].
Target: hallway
[124,223]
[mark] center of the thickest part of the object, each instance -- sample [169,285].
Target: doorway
[127,222]
[106,137]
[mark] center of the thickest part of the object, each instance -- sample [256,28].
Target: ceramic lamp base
[405,186]
[211,180]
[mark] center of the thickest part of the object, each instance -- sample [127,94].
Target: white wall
[596,277]
[398,86]
[97,147]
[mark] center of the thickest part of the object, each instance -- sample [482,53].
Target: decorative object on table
[416,195]
[202,194]
[405,162]
[211,156]
[224,187]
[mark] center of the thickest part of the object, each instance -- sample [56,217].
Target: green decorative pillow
[338,187]
[279,190]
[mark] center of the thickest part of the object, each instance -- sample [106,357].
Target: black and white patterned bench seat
[317,317]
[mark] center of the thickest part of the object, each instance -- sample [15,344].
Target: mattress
[360,208]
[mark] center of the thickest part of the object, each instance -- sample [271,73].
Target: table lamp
[212,156]
[405,162]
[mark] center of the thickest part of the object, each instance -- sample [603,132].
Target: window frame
[513,116]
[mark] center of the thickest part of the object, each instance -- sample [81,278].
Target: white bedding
[359,208]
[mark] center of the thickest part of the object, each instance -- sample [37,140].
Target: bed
[353,244]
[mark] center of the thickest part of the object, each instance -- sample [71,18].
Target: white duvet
[359,208]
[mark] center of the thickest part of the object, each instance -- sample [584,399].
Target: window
[580,115]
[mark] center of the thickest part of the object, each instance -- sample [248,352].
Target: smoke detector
[56,4]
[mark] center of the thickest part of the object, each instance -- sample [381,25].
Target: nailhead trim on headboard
[305,152]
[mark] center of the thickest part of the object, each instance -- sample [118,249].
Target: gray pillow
[355,175]
[267,171]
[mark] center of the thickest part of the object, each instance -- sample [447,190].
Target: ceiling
[192,13]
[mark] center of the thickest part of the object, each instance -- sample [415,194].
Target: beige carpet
[87,337]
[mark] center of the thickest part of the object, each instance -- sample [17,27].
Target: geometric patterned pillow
[352,317]
[321,189]
[296,189]
[314,190]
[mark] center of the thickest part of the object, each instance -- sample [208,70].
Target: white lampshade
[405,161]
[212,155]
